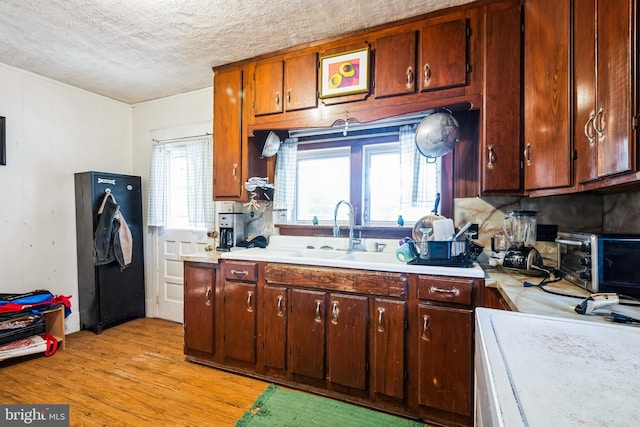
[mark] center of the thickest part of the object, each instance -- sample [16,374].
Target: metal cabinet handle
[279,304]
[598,121]
[492,156]
[425,327]
[240,273]
[318,309]
[207,297]
[380,319]
[235,168]
[427,74]
[289,97]
[589,128]
[249,301]
[277,98]
[527,154]
[409,77]
[335,313]
[451,292]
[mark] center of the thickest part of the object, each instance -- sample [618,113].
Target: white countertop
[548,371]
[307,251]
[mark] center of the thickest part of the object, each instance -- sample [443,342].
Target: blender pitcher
[523,228]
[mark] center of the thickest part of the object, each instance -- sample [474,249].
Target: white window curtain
[157,177]
[285,175]
[417,185]
[200,205]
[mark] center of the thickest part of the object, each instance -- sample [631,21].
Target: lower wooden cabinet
[398,342]
[199,294]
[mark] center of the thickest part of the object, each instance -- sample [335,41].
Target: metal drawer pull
[453,291]
[207,297]
[527,153]
[380,320]
[239,272]
[318,307]
[492,156]
[409,77]
[277,98]
[425,327]
[249,301]
[427,74]
[280,311]
[589,125]
[289,97]
[598,121]
[335,313]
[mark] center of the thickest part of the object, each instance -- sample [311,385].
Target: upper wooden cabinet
[501,130]
[227,133]
[547,95]
[443,55]
[604,52]
[285,84]
[443,61]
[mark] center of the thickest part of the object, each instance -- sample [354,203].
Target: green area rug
[278,407]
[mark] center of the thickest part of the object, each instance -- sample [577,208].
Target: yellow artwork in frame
[344,73]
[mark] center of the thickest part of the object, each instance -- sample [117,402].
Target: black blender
[521,254]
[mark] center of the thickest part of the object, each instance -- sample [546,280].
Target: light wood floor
[133,374]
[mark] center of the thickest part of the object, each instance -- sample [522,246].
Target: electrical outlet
[546,233]
[474,229]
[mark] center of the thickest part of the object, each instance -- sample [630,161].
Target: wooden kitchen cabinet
[388,368]
[605,57]
[548,150]
[501,143]
[199,294]
[274,338]
[240,312]
[285,84]
[307,332]
[445,353]
[227,134]
[347,335]
[442,49]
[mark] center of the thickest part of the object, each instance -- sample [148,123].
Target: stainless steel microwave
[601,262]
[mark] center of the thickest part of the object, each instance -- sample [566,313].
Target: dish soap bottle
[400,220]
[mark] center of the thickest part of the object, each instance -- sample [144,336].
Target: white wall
[181,115]
[53,131]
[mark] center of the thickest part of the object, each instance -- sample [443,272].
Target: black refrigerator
[108,294]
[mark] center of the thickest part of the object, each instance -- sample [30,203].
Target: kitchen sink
[370,257]
[318,253]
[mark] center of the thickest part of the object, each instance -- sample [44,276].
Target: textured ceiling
[137,50]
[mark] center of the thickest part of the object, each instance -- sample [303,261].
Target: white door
[170,246]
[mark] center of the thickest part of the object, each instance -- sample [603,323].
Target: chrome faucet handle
[379,247]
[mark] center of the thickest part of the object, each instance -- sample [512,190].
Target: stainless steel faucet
[336,229]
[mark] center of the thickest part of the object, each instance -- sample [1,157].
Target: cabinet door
[502,112]
[387,347]
[547,142]
[445,364]
[584,89]
[227,134]
[395,71]
[307,332]
[616,140]
[240,321]
[301,82]
[347,340]
[275,326]
[443,55]
[199,293]
[268,88]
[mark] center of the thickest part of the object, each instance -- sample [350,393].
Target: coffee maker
[521,254]
[231,230]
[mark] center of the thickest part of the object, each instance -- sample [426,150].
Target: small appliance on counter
[521,254]
[231,230]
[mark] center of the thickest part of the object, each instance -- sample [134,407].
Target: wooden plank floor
[133,374]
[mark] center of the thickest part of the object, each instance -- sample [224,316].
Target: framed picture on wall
[344,73]
[3,142]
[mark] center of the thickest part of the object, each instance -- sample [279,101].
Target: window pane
[383,179]
[323,180]
[177,214]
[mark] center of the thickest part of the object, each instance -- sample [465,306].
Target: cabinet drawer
[238,270]
[444,289]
